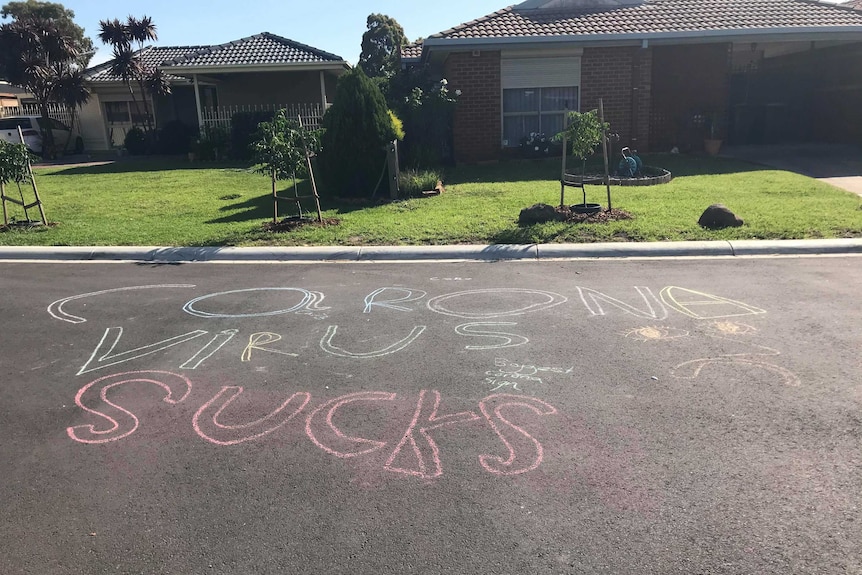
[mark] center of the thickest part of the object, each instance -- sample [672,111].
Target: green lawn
[157,203]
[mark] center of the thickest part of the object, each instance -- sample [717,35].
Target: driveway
[834,164]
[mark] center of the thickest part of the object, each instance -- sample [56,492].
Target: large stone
[718,216]
[538,214]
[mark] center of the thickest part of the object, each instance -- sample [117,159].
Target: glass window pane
[117,111]
[521,100]
[552,124]
[516,127]
[554,99]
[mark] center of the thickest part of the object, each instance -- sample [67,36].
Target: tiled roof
[657,16]
[413,51]
[260,49]
[151,57]
[855,4]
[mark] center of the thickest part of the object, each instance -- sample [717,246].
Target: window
[117,112]
[126,113]
[528,110]
[13,123]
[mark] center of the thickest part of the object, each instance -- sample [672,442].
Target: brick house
[764,71]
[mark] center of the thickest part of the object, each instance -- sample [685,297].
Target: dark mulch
[293,223]
[599,217]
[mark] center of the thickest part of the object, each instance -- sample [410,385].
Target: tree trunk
[274,200]
[47,133]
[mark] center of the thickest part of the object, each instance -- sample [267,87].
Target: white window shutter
[540,72]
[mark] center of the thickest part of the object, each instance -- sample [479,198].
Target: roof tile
[658,16]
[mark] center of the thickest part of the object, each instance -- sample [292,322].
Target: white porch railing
[56,111]
[221,116]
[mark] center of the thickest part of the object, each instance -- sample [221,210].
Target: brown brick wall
[477,129]
[687,80]
[621,77]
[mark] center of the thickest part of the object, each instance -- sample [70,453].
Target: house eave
[240,69]
[806,34]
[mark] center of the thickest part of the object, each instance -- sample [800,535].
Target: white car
[30,129]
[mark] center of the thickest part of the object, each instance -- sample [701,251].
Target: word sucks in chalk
[415,451]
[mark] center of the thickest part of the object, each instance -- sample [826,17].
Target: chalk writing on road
[508,374]
[56,311]
[416,453]
[309,304]
[481,329]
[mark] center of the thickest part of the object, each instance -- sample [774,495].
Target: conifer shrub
[356,130]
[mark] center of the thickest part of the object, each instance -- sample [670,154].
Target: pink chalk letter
[206,424]
[418,466]
[330,439]
[122,421]
[521,442]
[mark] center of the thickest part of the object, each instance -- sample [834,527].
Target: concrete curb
[455,252]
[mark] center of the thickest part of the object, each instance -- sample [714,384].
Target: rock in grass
[718,216]
[538,214]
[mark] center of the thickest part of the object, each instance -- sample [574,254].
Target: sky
[335,26]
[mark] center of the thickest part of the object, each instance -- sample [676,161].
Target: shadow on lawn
[680,165]
[137,164]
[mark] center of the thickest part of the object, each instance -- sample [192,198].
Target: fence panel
[56,111]
[221,116]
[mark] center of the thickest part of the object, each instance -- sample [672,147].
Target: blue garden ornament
[628,167]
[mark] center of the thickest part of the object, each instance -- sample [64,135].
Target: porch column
[198,102]
[323,92]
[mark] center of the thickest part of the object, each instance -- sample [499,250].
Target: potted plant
[714,126]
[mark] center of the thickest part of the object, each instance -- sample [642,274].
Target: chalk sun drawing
[438,304]
[425,465]
[220,434]
[122,421]
[309,305]
[56,311]
[479,329]
[732,328]
[655,333]
[327,346]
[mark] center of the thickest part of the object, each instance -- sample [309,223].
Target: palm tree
[122,36]
[72,90]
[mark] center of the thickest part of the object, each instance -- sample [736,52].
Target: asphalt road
[676,416]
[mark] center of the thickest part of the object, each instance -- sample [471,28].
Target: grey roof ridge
[323,53]
[186,59]
[479,20]
[105,65]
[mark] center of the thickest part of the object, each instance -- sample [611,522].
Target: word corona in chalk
[416,453]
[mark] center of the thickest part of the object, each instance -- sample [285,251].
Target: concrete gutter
[496,252]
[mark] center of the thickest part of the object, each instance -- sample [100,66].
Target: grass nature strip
[159,203]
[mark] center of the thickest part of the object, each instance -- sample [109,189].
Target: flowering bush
[537,145]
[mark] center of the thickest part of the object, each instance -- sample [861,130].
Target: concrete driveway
[838,165]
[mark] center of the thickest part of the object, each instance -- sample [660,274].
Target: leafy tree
[426,106]
[583,134]
[381,46]
[63,19]
[280,150]
[34,54]
[127,40]
[357,128]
